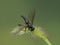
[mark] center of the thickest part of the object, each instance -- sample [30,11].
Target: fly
[28,27]
[28,24]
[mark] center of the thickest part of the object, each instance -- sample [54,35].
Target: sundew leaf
[41,35]
[17,29]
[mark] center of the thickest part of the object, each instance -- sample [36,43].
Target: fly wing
[31,16]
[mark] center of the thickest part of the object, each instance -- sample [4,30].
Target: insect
[28,27]
[28,24]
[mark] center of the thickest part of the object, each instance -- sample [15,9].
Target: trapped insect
[29,27]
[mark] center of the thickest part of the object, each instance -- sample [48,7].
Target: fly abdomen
[25,19]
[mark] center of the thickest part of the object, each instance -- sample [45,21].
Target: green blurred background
[47,15]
